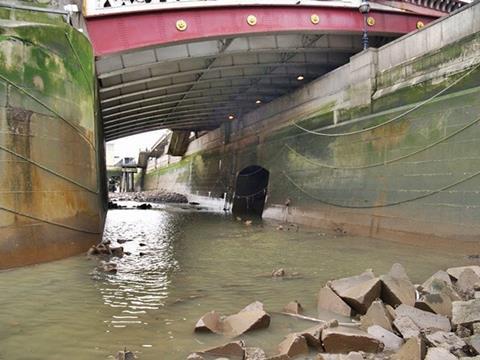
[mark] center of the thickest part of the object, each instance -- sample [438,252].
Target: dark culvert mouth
[251,191]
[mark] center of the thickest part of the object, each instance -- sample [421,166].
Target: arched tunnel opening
[251,191]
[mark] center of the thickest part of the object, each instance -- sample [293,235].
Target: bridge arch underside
[197,83]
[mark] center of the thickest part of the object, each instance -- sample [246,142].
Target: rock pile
[391,319]
[105,252]
[157,196]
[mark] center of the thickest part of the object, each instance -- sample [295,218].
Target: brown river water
[193,262]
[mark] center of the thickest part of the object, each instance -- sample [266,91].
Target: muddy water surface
[183,264]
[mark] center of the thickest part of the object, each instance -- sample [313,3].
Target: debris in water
[125,355]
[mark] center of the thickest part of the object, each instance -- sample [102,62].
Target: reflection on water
[143,278]
[181,265]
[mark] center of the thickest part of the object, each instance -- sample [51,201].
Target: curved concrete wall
[50,184]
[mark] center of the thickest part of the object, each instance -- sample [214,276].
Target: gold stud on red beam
[251,20]
[181,25]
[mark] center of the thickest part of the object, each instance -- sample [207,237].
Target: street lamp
[364,9]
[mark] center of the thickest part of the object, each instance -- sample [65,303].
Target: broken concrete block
[313,336]
[456,271]
[474,342]
[293,345]
[438,276]
[343,340]
[397,288]
[391,312]
[466,312]
[446,340]
[467,283]
[358,291]
[234,350]
[438,286]
[406,327]
[328,300]
[413,349]
[255,306]
[389,339]
[293,307]
[210,322]
[439,354]
[376,315]
[252,317]
[424,319]
[439,303]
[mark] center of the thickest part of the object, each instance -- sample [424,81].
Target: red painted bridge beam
[127,31]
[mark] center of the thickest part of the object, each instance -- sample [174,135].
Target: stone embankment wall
[387,145]
[51,177]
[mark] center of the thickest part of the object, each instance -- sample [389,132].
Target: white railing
[93,8]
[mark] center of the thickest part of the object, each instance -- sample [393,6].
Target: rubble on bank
[157,196]
[392,319]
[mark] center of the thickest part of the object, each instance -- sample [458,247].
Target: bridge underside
[199,85]
[200,78]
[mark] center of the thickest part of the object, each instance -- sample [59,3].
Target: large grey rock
[413,349]
[358,291]
[439,354]
[390,341]
[466,312]
[252,317]
[377,314]
[406,327]
[439,303]
[210,322]
[397,288]
[328,300]
[456,271]
[423,319]
[446,340]
[343,340]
